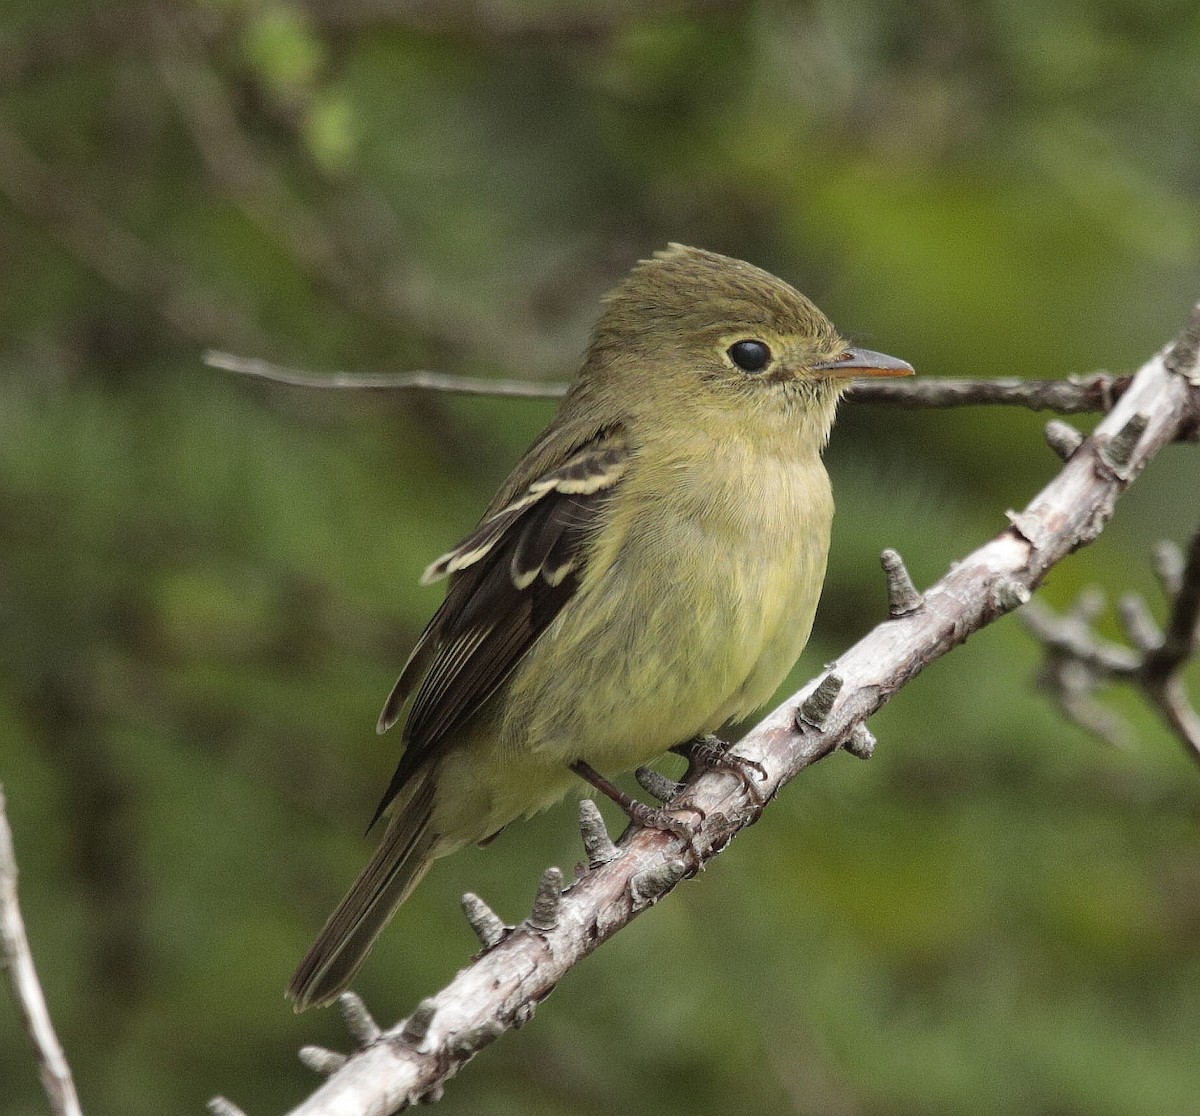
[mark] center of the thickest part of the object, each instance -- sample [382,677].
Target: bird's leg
[710,753]
[639,813]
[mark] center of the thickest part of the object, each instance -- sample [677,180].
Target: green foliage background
[208,585]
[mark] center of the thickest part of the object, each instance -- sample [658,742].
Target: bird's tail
[402,859]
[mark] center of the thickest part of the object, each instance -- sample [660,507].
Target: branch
[1076,395]
[1078,661]
[1183,627]
[382,381]
[16,957]
[520,966]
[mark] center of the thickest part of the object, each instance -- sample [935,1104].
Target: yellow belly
[735,587]
[624,673]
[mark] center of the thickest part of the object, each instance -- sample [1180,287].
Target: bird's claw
[711,753]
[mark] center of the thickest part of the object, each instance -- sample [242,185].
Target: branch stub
[903,597]
[814,712]
[547,901]
[489,927]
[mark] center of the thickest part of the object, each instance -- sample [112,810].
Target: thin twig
[16,957]
[1079,662]
[1183,626]
[1163,667]
[1098,392]
[382,381]
[1073,396]
[500,989]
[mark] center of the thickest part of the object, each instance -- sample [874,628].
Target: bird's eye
[750,356]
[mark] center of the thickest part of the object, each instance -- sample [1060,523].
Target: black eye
[750,356]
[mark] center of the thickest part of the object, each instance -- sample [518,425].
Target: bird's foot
[658,817]
[651,817]
[711,753]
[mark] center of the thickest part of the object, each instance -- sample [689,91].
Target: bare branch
[1163,665]
[501,988]
[1098,392]
[1079,662]
[1183,627]
[1076,662]
[1076,395]
[382,381]
[16,957]
[1173,704]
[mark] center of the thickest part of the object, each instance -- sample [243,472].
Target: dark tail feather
[402,859]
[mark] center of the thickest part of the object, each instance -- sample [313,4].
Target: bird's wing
[508,580]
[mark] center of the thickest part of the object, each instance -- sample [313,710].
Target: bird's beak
[862,362]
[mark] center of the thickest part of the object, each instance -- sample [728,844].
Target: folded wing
[509,579]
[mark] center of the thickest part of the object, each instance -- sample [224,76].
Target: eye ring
[750,355]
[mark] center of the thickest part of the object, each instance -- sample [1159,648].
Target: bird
[648,573]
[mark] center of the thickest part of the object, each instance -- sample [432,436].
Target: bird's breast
[768,540]
[697,599]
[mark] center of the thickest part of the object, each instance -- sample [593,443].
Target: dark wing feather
[509,579]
